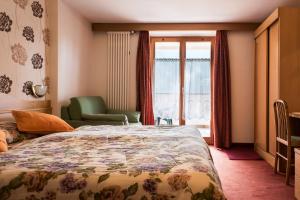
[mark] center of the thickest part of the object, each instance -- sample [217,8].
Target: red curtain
[221,94]
[144,80]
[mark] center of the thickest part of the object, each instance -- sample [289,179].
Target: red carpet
[244,152]
[250,179]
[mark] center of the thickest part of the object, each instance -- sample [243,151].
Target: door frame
[182,40]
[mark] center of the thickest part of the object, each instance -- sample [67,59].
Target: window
[181,85]
[167,81]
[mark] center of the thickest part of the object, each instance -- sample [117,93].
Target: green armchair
[91,110]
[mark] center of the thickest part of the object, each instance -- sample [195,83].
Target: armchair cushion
[133,116]
[106,117]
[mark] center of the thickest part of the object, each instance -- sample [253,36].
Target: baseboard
[248,145]
[269,158]
[243,145]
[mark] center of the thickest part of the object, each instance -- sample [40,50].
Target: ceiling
[180,11]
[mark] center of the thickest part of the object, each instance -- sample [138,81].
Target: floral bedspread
[113,163]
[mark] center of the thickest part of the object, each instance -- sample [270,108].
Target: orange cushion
[39,123]
[3,143]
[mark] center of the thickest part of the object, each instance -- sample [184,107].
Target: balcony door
[182,81]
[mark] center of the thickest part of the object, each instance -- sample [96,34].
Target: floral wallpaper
[24,39]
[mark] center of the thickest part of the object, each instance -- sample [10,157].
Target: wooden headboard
[7,106]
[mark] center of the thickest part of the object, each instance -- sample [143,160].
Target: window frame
[182,41]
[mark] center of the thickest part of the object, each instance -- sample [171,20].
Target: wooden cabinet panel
[273,82]
[290,57]
[261,90]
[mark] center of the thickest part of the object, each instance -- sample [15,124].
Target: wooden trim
[173,26]
[268,92]
[182,70]
[182,41]
[183,38]
[243,144]
[295,115]
[266,156]
[36,106]
[268,22]
[297,174]
[7,106]
[42,109]
[151,55]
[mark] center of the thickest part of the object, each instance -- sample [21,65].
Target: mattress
[112,162]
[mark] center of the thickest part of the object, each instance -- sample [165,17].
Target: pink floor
[250,179]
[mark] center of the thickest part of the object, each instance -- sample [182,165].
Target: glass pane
[166,82]
[197,83]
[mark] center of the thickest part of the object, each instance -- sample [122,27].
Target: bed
[111,162]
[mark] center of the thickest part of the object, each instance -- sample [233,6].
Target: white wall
[242,51]
[241,47]
[75,39]
[98,73]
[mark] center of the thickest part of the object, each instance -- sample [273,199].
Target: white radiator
[118,70]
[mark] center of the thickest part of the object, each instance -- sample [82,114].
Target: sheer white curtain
[166,89]
[197,91]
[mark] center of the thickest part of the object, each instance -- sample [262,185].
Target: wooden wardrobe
[277,74]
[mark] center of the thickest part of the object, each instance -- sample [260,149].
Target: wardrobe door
[273,82]
[261,90]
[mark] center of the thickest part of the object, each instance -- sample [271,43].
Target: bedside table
[297,174]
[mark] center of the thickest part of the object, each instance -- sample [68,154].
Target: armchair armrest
[65,113]
[106,117]
[133,116]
